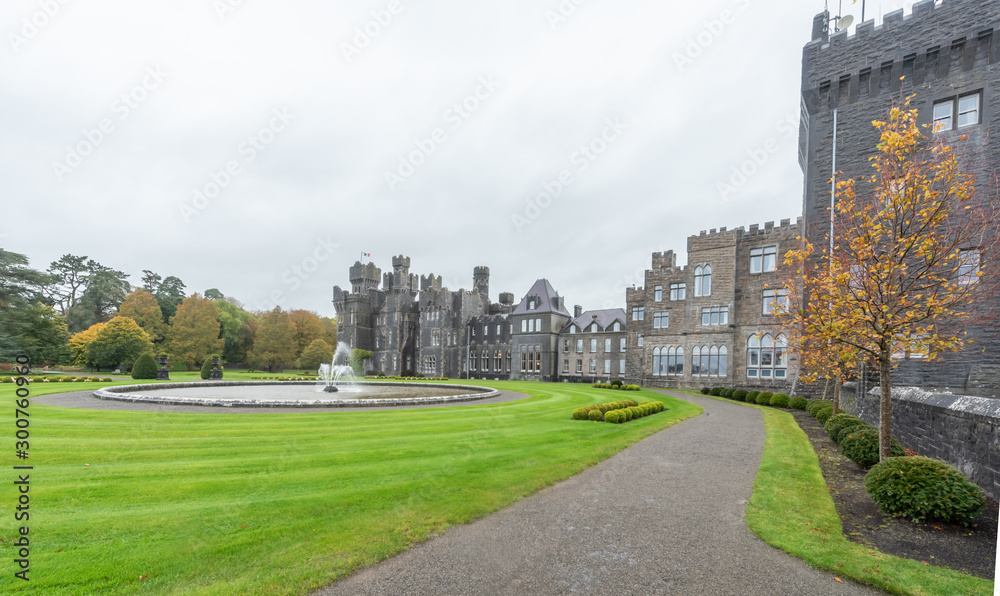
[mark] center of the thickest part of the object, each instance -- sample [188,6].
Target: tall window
[621,366]
[763,259]
[430,365]
[572,328]
[565,366]
[767,356]
[538,325]
[579,346]
[775,301]
[710,361]
[968,269]
[638,340]
[524,325]
[524,361]
[594,328]
[668,361]
[538,358]
[593,366]
[703,280]
[661,320]
[638,313]
[618,326]
[621,344]
[593,345]
[607,366]
[498,361]
[486,360]
[531,325]
[607,345]
[715,315]
[565,346]
[658,293]
[473,359]
[678,291]
[579,367]
[531,304]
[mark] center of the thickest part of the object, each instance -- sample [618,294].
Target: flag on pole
[365,255]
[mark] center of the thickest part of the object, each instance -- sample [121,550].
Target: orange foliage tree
[905,270]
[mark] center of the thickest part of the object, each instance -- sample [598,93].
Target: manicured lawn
[279,503]
[791,509]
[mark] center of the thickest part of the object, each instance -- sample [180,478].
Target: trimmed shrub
[798,403]
[617,383]
[144,368]
[751,397]
[817,403]
[764,398]
[581,414]
[613,417]
[824,414]
[849,429]
[922,488]
[596,415]
[780,400]
[706,390]
[839,422]
[716,391]
[861,446]
[727,392]
[740,395]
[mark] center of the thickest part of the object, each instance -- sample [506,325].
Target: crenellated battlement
[784,226]
[400,262]
[933,42]
[368,275]
[430,282]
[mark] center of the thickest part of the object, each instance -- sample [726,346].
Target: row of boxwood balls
[915,487]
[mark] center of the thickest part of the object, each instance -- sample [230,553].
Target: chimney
[577,311]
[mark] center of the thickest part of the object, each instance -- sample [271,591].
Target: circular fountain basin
[294,394]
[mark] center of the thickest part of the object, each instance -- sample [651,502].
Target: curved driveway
[664,516]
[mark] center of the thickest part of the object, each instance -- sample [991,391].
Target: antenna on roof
[841,22]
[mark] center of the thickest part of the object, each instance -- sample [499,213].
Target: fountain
[330,374]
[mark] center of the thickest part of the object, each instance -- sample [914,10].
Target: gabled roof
[547,300]
[605,318]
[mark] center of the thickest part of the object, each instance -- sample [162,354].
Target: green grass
[279,503]
[791,509]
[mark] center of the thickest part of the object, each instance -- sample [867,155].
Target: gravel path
[665,516]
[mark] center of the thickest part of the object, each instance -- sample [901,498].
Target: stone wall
[960,430]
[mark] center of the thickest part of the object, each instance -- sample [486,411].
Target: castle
[711,322]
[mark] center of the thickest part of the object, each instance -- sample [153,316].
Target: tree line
[81,312]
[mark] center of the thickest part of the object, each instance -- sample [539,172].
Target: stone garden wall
[960,430]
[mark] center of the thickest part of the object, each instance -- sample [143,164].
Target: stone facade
[943,53]
[705,324]
[593,346]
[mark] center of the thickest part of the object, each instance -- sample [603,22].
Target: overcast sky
[260,147]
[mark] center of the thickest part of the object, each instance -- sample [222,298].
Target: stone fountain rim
[123,393]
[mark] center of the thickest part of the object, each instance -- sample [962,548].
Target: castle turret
[365,277]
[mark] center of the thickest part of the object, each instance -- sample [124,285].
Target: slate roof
[547,300]
[605,319]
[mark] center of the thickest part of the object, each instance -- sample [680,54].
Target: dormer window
[594,329]
[531,304]
[618,326]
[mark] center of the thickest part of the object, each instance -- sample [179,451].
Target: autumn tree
[236,331]
[315,354]
[307,328]
[904,272]
[275,345]
[194,331]
[118,341]
[78,345]
[142,307]
[329,331]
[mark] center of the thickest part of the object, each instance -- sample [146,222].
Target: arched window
[703,280]
[594,328]
[675,362]
[767,356]
[486,360]
[618,326]
[710,361]
[472,360]
[656,361]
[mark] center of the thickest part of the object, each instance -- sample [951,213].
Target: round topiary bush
[613,417]
[706,390]
[824,414]
[798,403]
[740,395]
[817,404]
[580,414]
[839,422]
[716,391]
[847,430]
[780,400]
[861,446]
[764,398]
[596,415]
[751,397]
[922,489]
[144,368]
